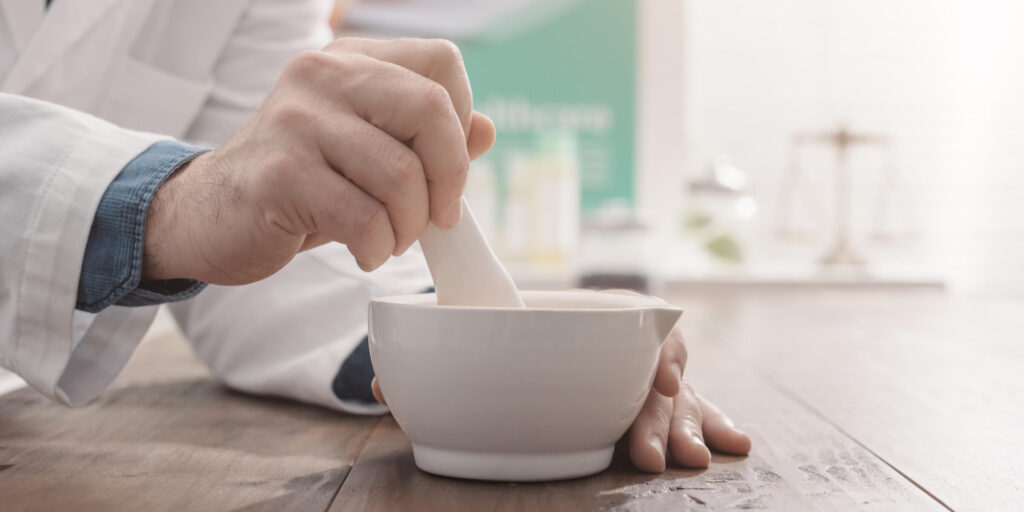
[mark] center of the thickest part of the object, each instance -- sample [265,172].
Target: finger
[313,240]
[685,438]
[481,136]
[416,110]
[376,391]
[649,434]
[328,204]
[384,168]
[672,358]
[436,59]
[670,364]
[719,431]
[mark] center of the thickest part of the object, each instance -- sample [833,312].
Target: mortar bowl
[541,393]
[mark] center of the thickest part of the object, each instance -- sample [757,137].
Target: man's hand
[678,421]
[363,143]
[674,419]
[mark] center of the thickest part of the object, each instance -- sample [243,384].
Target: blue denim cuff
[112,265]
[352,382]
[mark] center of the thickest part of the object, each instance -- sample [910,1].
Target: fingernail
[454,214]
[676,369]
[697,439]
[655,441]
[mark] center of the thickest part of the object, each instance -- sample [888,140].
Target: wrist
[112,263]
[167,244]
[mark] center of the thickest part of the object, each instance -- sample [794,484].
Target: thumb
[481,135]
[376,391]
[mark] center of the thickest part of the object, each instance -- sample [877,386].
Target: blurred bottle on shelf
[617,251]
[541,208]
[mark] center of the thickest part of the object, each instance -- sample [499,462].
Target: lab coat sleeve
[289,334]
[268,35]
[55,164]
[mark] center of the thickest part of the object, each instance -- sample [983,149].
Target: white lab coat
[87,86]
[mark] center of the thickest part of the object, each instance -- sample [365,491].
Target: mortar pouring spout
[665,318]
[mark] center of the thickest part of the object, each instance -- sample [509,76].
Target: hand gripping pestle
[465,270]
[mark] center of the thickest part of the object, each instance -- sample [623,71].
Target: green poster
[573,75]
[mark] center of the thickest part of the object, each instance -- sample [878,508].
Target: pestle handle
[466,271]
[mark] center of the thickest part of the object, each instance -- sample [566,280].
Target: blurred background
[669,145]
[653,144]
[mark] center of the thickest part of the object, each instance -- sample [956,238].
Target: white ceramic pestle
[466,271]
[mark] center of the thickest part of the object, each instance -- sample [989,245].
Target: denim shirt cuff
[112,264]
[354,378]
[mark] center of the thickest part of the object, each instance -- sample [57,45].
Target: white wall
[943,78]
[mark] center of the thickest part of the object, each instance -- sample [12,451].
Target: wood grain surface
[931,383]
[166,437]
[855,399]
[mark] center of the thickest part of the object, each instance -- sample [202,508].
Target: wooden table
[856,399]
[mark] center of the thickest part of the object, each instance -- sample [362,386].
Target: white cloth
[288,334]
[189,69]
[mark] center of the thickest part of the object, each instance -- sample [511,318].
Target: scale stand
[842,252]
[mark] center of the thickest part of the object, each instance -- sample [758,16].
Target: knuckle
[662,416]
[676,346]
[374,221]
[685,408]
[436,99]
[405,168]
[448,63]
[339,44]
[348,44]
[307,65]
[689,419]
[447,53]
[289,112]
[460,172]
[686,392]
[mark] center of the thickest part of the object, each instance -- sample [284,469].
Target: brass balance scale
[842,252]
